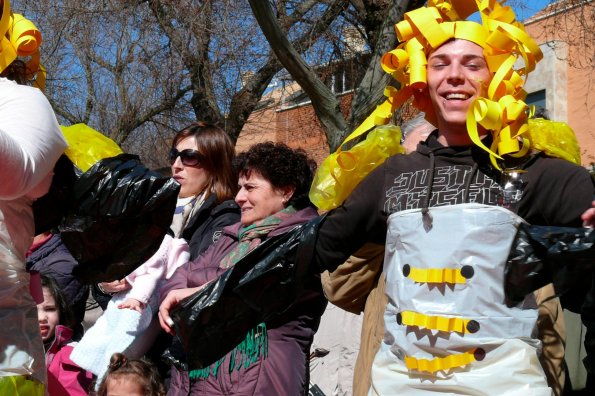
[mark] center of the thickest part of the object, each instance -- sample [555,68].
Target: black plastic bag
[264,283]
[120,214]
[540,255]
[49,209]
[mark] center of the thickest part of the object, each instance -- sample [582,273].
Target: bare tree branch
[370,91]
[323,99]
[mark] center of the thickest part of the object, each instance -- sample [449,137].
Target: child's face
[127,385]
[48,315]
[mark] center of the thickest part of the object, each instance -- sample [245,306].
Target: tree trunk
[323,99]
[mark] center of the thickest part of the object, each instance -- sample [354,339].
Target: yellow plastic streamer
[20,38]
[509,116]
[439,364]
[440,323]
[86,146]
[436,275]
[19,385]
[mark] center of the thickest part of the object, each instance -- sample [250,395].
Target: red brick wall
[295,126]
[580,72]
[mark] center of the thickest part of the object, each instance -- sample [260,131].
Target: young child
[55,319]
[126,325]
[131,378]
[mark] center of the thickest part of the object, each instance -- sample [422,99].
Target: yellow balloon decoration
[20,38]
[503,112]
[342,171]
[556,139]
[86,146]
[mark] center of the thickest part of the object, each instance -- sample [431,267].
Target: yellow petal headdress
[504,112]
[20,38]
[503,40]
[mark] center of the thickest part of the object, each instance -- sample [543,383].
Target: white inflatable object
[30,144]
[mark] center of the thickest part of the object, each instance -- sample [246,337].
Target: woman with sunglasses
[201,162]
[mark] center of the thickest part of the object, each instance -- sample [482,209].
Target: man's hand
[132,303]
[589,216]
[173,298]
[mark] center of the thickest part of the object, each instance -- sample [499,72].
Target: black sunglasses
[189,157]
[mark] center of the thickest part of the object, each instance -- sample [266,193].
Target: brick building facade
[565,78]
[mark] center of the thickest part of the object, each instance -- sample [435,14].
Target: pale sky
[530,8]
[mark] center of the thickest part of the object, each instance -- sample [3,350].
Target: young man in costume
[448,212]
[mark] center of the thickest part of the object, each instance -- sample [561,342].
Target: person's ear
[421,98]
[422,101]
[287,193]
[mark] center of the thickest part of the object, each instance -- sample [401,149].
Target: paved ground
[93,312]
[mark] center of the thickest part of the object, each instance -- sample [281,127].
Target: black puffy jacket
[205,227]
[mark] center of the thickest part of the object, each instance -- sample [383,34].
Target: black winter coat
[205,227]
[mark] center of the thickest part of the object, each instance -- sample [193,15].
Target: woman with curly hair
[274,181]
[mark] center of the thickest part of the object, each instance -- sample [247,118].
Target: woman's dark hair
[66,313]
[218,151]
[17,71]
[282,167]
[145,372]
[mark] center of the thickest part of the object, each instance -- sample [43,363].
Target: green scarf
[255,343]
[247,352]
[250,236]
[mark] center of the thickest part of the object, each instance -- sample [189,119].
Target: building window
[537,99]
